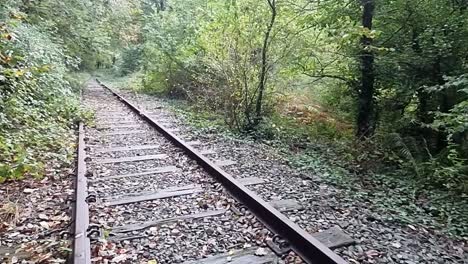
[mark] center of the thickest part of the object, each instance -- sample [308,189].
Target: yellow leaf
[152,262]
[19,73]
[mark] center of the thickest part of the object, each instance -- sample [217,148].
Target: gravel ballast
[177,239]
[378,240]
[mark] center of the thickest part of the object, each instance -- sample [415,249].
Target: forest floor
[389,219]
[35,218]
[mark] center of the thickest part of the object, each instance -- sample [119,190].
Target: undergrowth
[319,144]
[39,103]
[394,194]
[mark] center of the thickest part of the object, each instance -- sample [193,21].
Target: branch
[330,76]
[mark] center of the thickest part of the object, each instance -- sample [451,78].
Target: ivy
[38,105]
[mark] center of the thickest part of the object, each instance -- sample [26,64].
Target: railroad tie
[225,163]
[194,143]
[116,123]
[132,159]
[207,152]
[179,191]
[286,205]
[128,148]
[126,132]
[149,197]
[118,126]
[159,222]
[239,257]
[139,174]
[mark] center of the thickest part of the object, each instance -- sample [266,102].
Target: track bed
[149,201]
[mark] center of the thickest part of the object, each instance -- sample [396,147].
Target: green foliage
[396,196]
[447,170]
[130,60]
[38,96]
[210,53]
[455,121]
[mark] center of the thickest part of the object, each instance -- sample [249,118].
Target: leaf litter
[35,219]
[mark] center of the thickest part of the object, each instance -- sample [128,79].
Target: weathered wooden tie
[225,163]
[116,123]
[118,126]
[207,152]
[132,159]
[251,181]
[286,205]
[144,225]
[334,238]
[126,132]
[159,195]
[168,192]
[128,148]
[246,256]
[139,174]
[194,143]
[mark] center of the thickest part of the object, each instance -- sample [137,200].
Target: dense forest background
[383,83]
[386,77]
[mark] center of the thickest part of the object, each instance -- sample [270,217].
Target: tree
[366,115]
[264,64]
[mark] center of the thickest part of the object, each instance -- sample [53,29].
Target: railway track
[143,195]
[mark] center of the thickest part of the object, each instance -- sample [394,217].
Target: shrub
[37,105]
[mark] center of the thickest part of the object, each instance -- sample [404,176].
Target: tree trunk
[366,113]
[264,65]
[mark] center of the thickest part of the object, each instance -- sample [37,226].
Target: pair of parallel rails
[300,241]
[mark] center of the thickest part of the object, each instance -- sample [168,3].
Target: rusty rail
[306,246]
[81,243]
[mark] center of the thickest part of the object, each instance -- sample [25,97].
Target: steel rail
[81,243]
[303,244]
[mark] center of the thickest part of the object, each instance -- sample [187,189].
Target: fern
[401,148]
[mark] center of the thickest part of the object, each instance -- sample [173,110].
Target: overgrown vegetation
[370,95]
[391,73]
[40,53]
[382,85]
[393,196]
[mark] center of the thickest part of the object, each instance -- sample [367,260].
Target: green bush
[37,105]
[129,61]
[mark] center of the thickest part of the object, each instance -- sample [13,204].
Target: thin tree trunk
[366,112]
[264,66]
